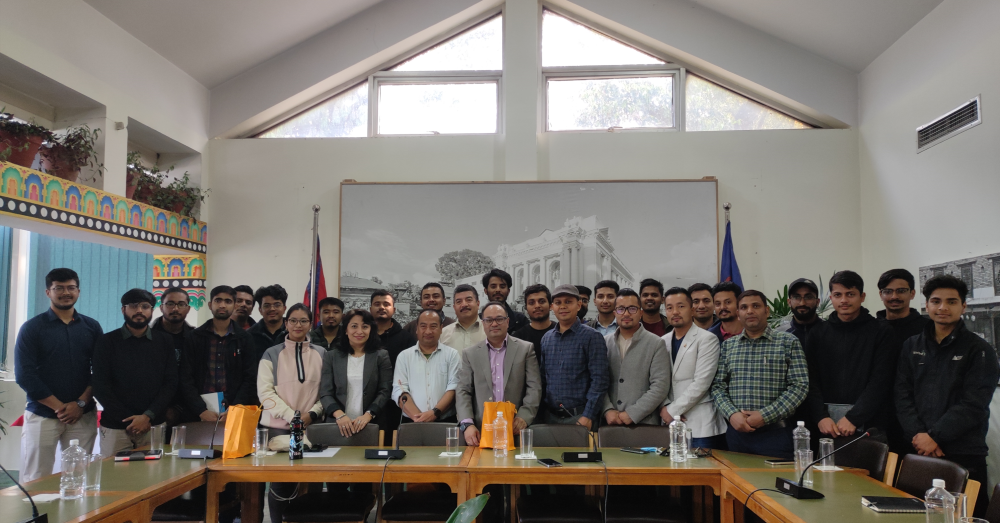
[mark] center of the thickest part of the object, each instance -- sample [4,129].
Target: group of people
[706,355]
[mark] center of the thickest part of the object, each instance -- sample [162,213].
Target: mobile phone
[634,450]
[775,462]
[549,462]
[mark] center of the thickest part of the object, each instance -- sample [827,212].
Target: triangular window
[567,43]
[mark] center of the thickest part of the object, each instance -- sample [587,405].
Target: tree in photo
[456,265]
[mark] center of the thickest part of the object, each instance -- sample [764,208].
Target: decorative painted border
[185,272]
[36,195]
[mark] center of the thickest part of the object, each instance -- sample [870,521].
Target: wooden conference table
[131,490]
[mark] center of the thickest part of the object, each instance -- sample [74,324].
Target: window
[593,82]
[711,107]
[966,274]
[451,88]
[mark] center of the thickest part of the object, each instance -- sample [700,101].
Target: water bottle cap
[938,483]
[802,424]
[74,442]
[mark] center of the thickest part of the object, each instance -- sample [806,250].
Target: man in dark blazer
[639,364]
[482,378]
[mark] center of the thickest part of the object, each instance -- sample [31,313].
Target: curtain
[6,266]
[105,274]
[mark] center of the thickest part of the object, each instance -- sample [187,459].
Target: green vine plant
[19,131]
[152,187]
[74,150]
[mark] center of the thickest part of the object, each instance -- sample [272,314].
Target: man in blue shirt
[52,364]
[574,365]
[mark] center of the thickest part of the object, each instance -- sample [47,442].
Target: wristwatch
[465,425]
[437,412]
[370,413]
[82,404]
[313,416]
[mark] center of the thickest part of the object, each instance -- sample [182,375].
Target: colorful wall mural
[33,194]
[184,272]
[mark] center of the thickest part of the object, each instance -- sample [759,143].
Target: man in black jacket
[897,288]
[174,305]
[394,340]
[270,331]
[135,376]
[218,357]
[803,299]
[496,285]
[944,384]
[851,359]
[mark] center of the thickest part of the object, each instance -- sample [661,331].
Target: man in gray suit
[640,367]
[499,368]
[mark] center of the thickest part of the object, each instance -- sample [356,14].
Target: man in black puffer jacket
[944,384]
[852,361]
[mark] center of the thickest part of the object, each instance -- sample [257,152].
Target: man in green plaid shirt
[762,379]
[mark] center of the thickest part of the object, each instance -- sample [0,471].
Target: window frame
[431,78]
[678,75]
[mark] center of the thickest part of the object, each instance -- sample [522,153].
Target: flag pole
[727,206]
[312,261]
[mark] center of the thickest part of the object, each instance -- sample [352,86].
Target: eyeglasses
[903,291]
[631,309]
[297,322]
[271,306]
[175,305]
[497,320]
[59,289]
[807,297]
[144,307]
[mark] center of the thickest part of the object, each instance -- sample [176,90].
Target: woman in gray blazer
[357,375]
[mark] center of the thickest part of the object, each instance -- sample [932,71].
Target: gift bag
[490,409]
[241,429]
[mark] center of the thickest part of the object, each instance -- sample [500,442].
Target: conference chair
[190,506]
[867,454]
[633,503]
[540,506]
[993,511]
[335,505]
[421,505]
[916,473]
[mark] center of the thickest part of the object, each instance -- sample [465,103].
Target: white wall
[794,193]
[941,204]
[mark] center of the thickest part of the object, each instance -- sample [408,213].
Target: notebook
[890,505]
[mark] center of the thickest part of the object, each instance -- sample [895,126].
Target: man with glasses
[270,331]
[897,288]
[218,357]
[574,365]
[431,298]
[244,307]
[135,376]
[605,294]
[174,307]
[803,299]
[638,366]
[851,360]
[52,360]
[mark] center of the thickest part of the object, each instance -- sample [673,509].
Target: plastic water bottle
[940,504]
[500,436]
[800,439]
[678,441]
[74,471]
[296,437]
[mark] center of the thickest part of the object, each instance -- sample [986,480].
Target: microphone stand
[394,453]
[796,489]
[209,453]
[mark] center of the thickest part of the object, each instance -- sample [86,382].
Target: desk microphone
[391,453]
[209,453]
[35,518]
[796,490]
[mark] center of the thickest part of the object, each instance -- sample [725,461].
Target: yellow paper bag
[241,428]
[490,409]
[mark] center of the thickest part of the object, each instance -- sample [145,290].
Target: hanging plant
[69,153]
[20,140]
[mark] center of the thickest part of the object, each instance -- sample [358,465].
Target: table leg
[251,502]
[214,486]
[728,508]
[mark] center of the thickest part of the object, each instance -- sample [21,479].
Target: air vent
[965,117]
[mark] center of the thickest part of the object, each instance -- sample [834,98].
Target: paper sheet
[42,498]
[325,453]
[450,455]
[523,456]
[827,469]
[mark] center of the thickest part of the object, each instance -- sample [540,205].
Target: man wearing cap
[574,364]
[851,359]
[135,376]
[803,299]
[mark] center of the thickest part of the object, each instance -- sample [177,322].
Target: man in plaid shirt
[762,379]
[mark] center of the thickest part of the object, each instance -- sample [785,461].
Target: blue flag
[730,270]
